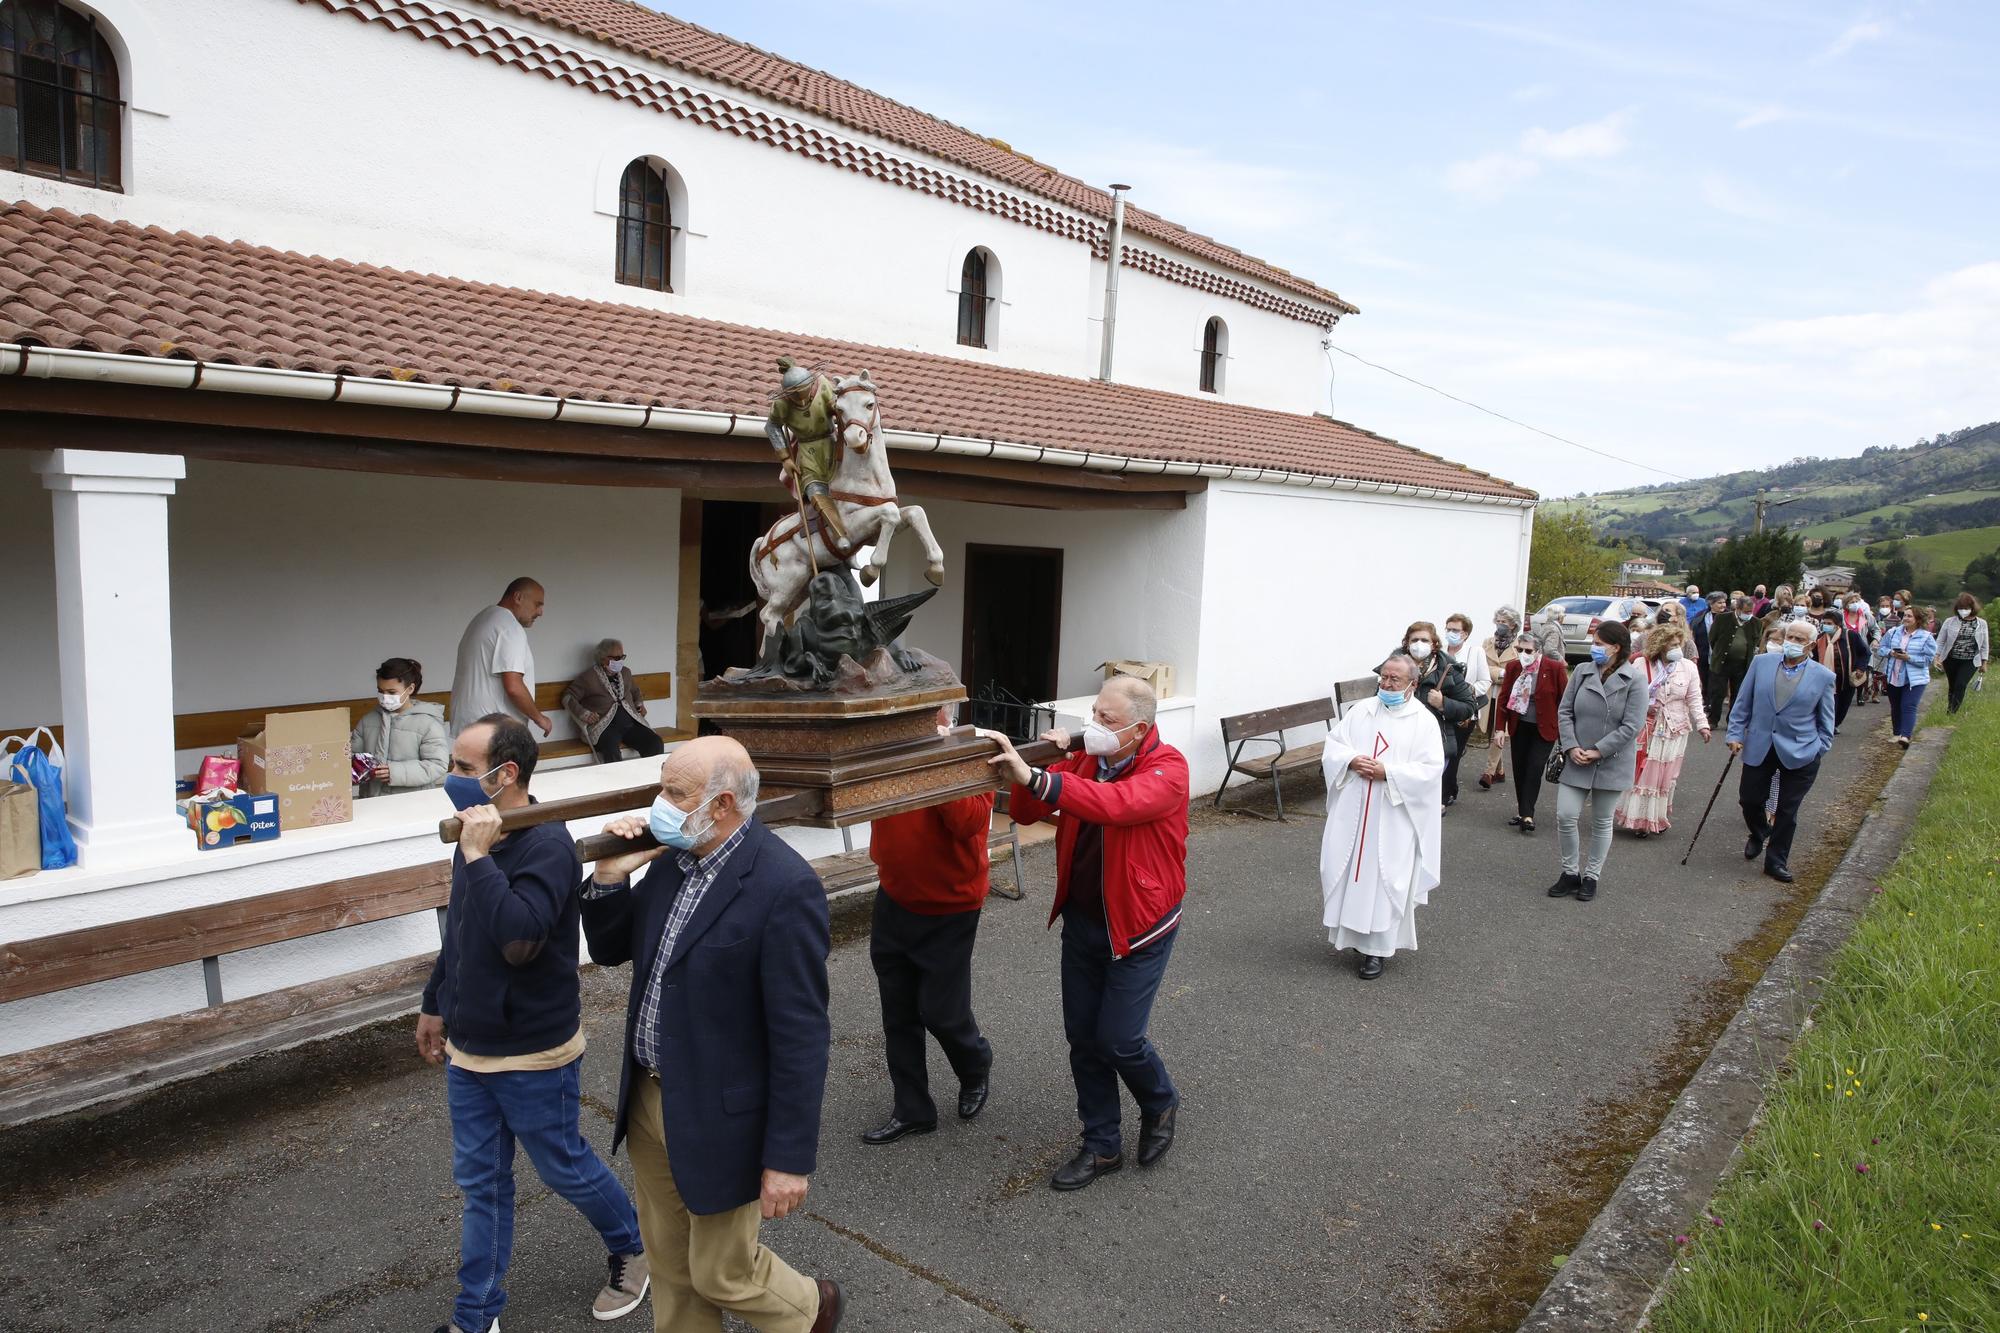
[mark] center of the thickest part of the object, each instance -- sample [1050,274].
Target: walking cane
[1711,806]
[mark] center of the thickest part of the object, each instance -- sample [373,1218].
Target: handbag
[43,772]
[20,830]
[1554,772]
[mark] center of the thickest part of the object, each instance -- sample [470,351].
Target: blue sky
[1699,235]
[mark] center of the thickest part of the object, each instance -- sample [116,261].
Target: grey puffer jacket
[415,742]
[1603,714]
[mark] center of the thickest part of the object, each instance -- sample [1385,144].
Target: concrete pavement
[1346,1150]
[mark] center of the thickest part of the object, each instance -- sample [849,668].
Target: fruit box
[225,820]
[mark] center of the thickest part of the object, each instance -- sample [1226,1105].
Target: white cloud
[1763,115]
[1869,30]
[1727,195]
[1492,175]
[1534,92]
[1597,138]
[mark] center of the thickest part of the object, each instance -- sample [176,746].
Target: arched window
[1214,355]
[978,292]
[645,228]
[60,112]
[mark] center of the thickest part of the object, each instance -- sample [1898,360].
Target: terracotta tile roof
[647,32]
[84,283]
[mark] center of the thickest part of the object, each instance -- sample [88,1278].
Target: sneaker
[629,1282]
[494,1327]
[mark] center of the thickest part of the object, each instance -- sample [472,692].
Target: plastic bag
[43,772]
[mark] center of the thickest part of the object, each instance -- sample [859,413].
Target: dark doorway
[1013,631]
[728,527]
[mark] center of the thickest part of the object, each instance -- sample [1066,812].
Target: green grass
[1953,551]
[1844,528]
[1899,1074]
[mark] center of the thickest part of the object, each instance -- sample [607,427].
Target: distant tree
[1829,550]
[1564,559]
[1883,550]
[1768,558]
[1982,576]
[1868,580]
[1899,573]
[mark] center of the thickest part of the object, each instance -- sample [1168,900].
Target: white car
[1580,617]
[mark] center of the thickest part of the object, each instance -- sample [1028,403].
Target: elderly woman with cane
[1599,721]
[1501,647]
[1676,711]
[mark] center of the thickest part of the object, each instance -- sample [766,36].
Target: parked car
[1580,617]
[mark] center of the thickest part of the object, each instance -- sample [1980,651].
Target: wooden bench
[1268,727]
[218,730]
[72,1074]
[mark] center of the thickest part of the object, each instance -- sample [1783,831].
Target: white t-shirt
[494,642]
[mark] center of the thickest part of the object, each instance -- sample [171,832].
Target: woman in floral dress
[1676,710]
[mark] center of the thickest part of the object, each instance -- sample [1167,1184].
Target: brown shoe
[832,1305]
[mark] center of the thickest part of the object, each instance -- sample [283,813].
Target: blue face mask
[1599,654]
[1392,698]
[464,792]
[668,823]
[1794,650]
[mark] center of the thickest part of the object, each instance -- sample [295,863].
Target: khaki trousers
[703,1265]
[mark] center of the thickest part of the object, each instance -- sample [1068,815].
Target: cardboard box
[225,820]
[1157,674]
[303,760]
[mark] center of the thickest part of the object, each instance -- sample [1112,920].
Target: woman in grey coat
[406,737]
[1601,714]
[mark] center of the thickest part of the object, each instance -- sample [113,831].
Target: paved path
[1341,1143]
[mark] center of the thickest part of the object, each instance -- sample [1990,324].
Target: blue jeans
[540,1108]
[1903,701]
[1107,1004]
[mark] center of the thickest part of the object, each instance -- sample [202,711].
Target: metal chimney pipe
[1117,247]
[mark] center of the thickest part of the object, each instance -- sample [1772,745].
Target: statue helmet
[796,376]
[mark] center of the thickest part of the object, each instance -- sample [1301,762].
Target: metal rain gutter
[52,363]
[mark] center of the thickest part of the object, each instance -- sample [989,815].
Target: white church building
[320,320]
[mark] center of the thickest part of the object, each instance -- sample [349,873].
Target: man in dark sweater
[503,1008]
[934,880]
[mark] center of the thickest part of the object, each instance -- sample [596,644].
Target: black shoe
[972,1098]
[897,1129]
[1641,834]
[1083,1168]
[1450,801]
[1753,847]
[1527,828]
[1565,885]
[1779,871]
[1515,820]
[1586,890]
[1485,783]
[1156,1135]
[1369,968]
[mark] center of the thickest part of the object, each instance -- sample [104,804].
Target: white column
[114,633]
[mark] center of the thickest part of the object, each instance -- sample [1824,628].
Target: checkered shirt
[697,875]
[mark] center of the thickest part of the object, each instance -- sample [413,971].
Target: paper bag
[20,830]
[303,760]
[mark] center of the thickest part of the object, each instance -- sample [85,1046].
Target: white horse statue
[784,560]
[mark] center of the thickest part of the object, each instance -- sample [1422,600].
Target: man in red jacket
[933,869]
[1121,871]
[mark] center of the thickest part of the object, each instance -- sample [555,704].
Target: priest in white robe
[1380,856]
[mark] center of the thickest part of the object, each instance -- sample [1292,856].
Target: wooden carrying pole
[777,809]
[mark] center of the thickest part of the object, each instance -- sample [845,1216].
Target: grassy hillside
[1930,492]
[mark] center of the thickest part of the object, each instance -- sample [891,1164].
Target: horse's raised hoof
[868,576]
[935,573]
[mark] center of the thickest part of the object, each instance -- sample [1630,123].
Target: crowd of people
[725,1047]
[1776,674]
[407,740]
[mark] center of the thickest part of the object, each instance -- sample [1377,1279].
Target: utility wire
[1560,439]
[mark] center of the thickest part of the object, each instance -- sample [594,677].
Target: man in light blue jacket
[1782,725]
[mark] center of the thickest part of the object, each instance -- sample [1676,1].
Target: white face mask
[614,665]
[1420,648]
[1965,613]
[1774,647]
[1100,740]
[390,700]
[1675,654]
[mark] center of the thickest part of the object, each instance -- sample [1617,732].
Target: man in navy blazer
[726,1041]
[1782,725]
